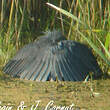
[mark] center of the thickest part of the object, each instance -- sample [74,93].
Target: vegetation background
[22,21]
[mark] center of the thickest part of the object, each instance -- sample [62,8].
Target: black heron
[53,57]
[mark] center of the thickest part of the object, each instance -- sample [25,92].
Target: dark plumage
[51,57]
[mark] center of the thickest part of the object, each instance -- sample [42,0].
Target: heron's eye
[60,44]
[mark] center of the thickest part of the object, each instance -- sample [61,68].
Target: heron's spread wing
[30,62]
[66,60]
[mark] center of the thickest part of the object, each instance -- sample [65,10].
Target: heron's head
[55,36]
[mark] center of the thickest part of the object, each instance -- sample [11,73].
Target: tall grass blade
[65,13]
[3,11]
[10,21]
[107,44]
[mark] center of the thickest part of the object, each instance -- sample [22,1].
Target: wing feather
[71,69]
[63,68]
[56,67]
[44,68]
[37,66]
